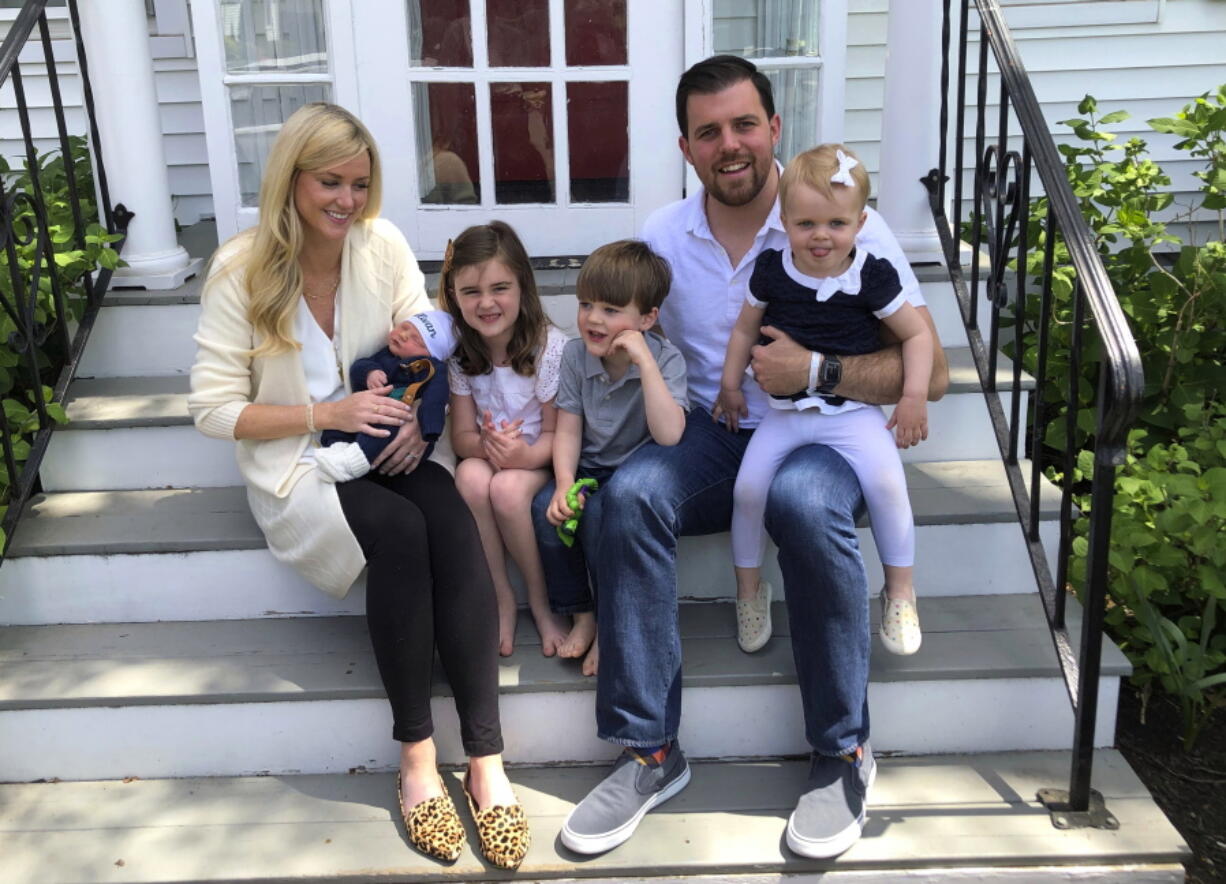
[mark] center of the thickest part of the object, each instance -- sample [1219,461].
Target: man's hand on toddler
[909,421]
[730,405]
[781,367]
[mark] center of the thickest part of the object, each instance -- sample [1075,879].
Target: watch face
[832,371]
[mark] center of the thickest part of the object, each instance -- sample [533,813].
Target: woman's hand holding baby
[404,453]
[909,421]
[363,412]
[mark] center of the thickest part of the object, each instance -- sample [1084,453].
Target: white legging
[861,438]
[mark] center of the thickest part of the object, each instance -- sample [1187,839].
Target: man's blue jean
[660,493]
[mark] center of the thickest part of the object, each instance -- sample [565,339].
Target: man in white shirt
[729,130]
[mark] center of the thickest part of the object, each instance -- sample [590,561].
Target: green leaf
[1114,117]
[1173,126]
[1087,105]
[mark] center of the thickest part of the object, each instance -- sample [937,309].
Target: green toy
[568,529]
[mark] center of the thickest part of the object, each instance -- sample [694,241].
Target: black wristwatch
[829,375]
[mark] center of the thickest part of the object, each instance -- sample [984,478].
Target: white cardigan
[299,513]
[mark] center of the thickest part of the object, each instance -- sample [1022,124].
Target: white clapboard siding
[1144,57]
[178,90]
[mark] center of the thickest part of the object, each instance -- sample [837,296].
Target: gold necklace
[331,290]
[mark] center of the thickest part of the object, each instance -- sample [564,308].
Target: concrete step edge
[329,658]
[930,813]
[195,519]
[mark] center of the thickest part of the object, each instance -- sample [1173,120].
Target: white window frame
[368,51]
[215,81]
[555,229]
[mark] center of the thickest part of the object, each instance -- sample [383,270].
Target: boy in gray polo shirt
[619,389]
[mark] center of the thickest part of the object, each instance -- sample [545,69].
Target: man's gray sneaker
[612,811]
[830,814]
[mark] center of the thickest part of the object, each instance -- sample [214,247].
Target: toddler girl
[503,377]
[831,299]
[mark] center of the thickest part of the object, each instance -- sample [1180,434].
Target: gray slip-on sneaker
[829,816]
[612,811]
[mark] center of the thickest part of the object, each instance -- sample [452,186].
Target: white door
[553,115]
[259,61]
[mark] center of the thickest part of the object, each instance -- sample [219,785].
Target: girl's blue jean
[566,567]
[661,493]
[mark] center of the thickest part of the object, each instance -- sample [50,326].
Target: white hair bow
[846,164]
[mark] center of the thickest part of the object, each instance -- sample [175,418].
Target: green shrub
[19,387]
[1167,561]
[1167,549]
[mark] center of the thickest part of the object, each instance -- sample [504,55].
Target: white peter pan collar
[847,282]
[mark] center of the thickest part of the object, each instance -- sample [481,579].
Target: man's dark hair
[715,74]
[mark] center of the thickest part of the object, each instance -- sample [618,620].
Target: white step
[167,321]
[938,819]
[302,695]
[196,554]
[135,432]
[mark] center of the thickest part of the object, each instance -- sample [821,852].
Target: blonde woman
[286,309]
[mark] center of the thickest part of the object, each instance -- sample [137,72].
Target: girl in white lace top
[503,380]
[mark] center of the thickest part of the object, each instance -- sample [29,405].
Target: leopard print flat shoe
[433,825]
[503,830]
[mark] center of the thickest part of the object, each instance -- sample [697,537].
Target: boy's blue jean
[660,493]
[566,567]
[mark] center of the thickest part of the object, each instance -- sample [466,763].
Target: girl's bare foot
[508,611]
[581,636]
[488,783]
[552,629]
[592,661]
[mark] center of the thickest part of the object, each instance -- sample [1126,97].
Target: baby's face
[405,341]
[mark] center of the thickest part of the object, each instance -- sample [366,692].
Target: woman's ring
[410,457]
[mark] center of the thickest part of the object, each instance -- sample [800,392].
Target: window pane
[446,123]
[794,89]
[258,112]
[274,35]
[595,32]
[766,28]
[440,34]
[599,167]
[518,33]
[522,116]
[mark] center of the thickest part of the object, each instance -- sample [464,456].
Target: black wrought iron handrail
[999,225]
[48,337]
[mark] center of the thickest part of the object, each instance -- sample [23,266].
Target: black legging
[427,585]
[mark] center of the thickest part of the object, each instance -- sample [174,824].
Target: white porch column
[910,125]
[116,37]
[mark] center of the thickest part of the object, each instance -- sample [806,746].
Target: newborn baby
[414,363]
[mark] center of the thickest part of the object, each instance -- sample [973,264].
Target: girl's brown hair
[476,245]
